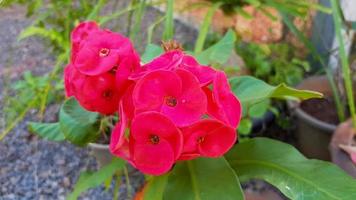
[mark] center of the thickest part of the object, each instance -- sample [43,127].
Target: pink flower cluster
[170,109]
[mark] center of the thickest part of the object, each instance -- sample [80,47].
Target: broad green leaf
[89,180]
[49,131]
[219,52]
[78,125]
[251,91]
[295,176]
[151,52]
[259,109]
[155,188]
[203,179]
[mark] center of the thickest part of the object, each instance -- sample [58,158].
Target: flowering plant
[175,117]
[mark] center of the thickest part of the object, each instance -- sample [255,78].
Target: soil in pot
[316,119]
[322,109]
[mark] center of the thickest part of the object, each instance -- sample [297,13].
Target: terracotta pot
[343,135]
[101,152]
[313,135]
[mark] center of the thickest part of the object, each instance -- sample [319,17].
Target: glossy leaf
[152,51]
[78,125]
[219,52]
[89,180]
[48,131]
[295,176]
[155,187]
[251,91]
[203,179]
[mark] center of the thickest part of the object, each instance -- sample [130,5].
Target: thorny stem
[344,60]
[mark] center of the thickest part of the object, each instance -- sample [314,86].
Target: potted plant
[342,146]
[174,118]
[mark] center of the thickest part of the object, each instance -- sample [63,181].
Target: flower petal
[153,159]
[191,104]
[146,124]
[150,91]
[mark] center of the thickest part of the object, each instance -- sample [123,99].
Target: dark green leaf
[78,125]
[49,131]
[151,52]
[203,179]
[89,180]
[219,52]
[294,175]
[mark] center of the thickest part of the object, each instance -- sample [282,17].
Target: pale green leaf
[151,52]
[89,180]
[219,52]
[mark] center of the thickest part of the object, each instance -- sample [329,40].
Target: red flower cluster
[170,109]
[99,61]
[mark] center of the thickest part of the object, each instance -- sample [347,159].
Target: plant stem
[344,60]
[169,23]
[18,119]
[128,185]
[204,28]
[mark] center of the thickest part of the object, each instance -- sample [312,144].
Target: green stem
[169,23]
[344,60]
[128,185]
[204,28]
[18,119]
[194,181]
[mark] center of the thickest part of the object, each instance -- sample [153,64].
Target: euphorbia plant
[175,118]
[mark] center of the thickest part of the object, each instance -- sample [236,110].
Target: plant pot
[343,135]
[313,135]
[102,153]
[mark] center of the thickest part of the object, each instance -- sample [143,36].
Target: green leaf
[219,52]
[294,175]
[259,109]
[251,91]
[245,126]
[203,179]
[155,187]
[50,34]
[48,131]
[78,125]
[89,180]
[151,52]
